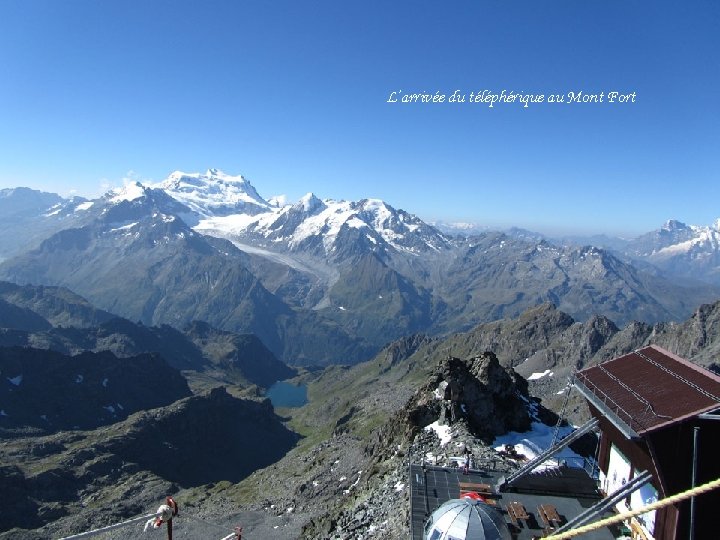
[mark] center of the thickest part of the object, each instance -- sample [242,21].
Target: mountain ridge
[354,274]
[238,358]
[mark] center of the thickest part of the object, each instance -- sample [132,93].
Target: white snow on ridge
[442,431]
[534,442]
[54,210]
[326,224]
[84,206]
[356,223]
[212,191]
[124,227]
[230,206]
[15,380]
[536,376]
[309,202]
[129,192]
[706,237]
[381,211]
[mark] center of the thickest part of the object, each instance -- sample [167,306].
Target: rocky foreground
[74,481]
[354,487]
[346,475]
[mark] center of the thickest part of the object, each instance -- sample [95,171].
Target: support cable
[561,416]
[643,510]
[101,530]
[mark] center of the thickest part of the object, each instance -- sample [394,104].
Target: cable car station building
[658,417]
[659,430]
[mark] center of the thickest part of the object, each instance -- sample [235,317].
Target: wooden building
[656,412]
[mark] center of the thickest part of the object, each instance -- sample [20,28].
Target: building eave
[596,402]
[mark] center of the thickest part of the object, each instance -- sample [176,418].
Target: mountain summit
[214,193]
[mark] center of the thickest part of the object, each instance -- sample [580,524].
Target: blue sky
[293,95]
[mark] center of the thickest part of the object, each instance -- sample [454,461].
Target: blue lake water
[284,394]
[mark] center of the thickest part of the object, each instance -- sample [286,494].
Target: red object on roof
[472,495]
[651,388]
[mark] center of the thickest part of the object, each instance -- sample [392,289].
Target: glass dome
[466,519]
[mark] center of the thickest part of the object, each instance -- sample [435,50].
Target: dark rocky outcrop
[241,354]
[403,348]
[490,399]
[493,399]
[205,439]
[43,391]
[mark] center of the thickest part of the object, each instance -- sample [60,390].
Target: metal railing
[610,403]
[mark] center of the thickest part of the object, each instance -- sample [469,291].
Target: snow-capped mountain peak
[673,225]
[214,193]
[129,192]
[309,203]
[325,227]
[685,250]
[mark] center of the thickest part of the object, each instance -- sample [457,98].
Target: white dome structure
[466,519]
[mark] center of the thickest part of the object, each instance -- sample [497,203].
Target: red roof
[651,388]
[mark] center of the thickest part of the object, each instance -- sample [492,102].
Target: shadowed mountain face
[238,357]
[57,306]
[205,439]
[241,354]
[44,391]
[135,463]
[12,316]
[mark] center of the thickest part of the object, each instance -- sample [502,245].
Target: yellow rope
[649,508]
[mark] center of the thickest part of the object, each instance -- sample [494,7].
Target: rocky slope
[45,392]
[56,306]
[346,477]
[474,398]
[226,356]
[73,481]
